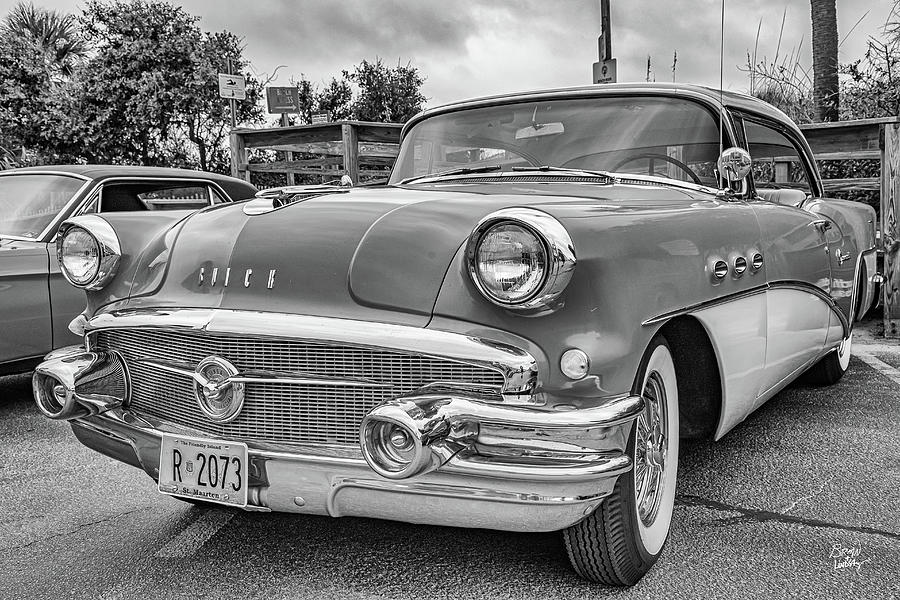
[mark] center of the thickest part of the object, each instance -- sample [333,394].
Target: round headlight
[88,251]
[79,256]
[511,263]
[521,259]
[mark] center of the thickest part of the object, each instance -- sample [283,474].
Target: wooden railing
[354,148]
[870,139]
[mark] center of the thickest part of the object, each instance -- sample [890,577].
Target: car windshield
[28,203]
[648,135]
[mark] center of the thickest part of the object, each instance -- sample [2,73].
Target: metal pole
[606,35]
[232,101]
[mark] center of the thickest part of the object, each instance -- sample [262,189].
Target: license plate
[210,470]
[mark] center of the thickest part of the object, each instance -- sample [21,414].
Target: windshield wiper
[548,168]
[451,172]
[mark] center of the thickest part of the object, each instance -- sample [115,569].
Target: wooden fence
[870,139]
[356,148]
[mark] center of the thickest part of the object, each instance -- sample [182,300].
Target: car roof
[238,189]
[712,96]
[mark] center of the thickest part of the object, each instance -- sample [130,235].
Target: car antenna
[722,95]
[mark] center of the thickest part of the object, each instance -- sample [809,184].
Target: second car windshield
[29,203]
[648,135]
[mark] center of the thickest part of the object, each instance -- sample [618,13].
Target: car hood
[376,254]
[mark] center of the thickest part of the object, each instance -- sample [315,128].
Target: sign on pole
[282,100]
[232,87]
[320,118]
[605,71]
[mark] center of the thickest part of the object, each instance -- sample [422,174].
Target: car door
[796,246]
[25,316]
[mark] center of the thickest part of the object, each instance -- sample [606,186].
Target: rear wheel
[832,366]
[619,542]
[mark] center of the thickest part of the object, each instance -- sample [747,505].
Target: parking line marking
[195,535]
[863,354]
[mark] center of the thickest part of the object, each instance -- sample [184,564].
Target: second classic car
[36,303]
[514,334]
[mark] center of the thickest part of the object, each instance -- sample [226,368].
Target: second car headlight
[88,251]
[520,258]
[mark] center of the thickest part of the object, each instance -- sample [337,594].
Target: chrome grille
[278,412]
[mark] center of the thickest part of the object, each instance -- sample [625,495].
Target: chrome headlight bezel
[558,248]
[109,249]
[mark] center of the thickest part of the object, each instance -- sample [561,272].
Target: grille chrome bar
[518,367]
[269,376]
[340,383]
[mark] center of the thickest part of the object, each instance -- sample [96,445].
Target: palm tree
[55,33]
[825,59]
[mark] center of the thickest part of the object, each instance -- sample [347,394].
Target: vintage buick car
[36,303]
[513,334]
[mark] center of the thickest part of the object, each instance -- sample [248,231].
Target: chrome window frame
[209,184]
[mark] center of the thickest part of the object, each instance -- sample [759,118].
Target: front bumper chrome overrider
[441,455]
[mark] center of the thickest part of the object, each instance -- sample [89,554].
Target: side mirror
[734,164]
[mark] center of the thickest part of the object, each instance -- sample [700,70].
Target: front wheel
[619,542]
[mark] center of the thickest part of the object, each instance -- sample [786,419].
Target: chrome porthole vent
[756,262]
[720,269]
[740,266]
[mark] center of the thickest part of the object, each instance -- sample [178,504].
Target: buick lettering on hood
[513,333]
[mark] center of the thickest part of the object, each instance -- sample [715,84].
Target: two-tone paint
[393,260]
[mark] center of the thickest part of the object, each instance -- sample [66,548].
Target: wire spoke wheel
[650,447]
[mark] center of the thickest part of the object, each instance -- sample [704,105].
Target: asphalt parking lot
[801,500]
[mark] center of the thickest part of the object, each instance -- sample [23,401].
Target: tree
[336,99]
[385,93]
[149,94]
[56,34]
[825,59]
[873,87]
[28,102]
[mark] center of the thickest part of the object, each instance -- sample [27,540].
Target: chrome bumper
[471,463]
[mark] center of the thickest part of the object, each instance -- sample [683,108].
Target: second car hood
[377,254]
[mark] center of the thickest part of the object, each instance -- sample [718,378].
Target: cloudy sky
[469,48]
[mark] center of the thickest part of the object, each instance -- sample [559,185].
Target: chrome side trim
[785,284]
[759,289]
[517,366]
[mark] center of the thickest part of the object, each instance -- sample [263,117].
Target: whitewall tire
[619,542]
[832,366]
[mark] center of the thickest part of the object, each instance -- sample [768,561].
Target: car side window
[140,196]
[777,163]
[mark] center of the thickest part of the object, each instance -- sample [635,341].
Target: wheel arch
[699,377]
